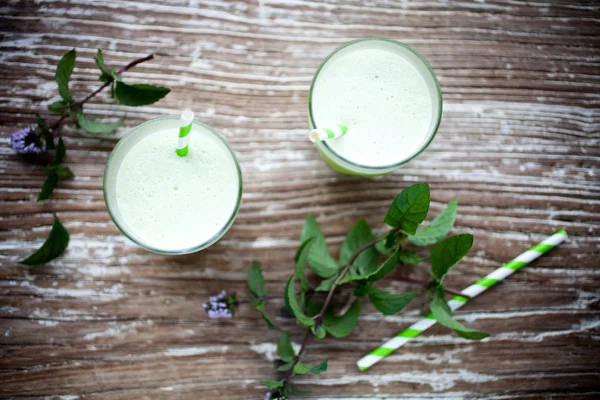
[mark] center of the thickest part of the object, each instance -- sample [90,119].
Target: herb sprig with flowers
[364,260]
[33,142]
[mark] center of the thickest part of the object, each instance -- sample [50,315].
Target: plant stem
[318,318]
[127,67]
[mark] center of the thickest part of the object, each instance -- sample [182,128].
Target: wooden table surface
[518,146]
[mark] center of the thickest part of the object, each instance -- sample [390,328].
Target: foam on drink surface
[171,202]
[382,98]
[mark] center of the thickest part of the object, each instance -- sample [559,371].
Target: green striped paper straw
[331,132]
[185,127]
[458,301]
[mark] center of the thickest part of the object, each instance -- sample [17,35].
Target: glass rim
[200,246]
[439,101]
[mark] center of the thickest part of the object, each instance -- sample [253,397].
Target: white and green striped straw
[185,127]
[458,301]
[332,132]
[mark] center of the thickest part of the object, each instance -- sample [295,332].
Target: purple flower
[221,305]
[26,141]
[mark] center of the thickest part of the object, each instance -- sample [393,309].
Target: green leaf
[322,367]
[139,94]
[45,132]
[285,367]
[388,303]
[301,369]
[260,307]
[442,315]
[285,351]
[59,170]
[342,326]
[94,126]
[318,331]
[100,63]
[256,281]
[326,284]
[55,244]
[409,257]
[272,384]
[361,290]
[290,389]
[447,253]
[438,228]
[292,302]
[59,107]
[385,268]
[386,246]
[59,155]
[319,258]
[63,73]
[359,235]
[301,259]
[48,187]
[409,208]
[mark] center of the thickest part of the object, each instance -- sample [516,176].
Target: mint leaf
[285,351]
[359,235]
[107,74]
[55,244]
[342,326]
[301,259]
[447,253]
[44,131]
[256,281]
[59,170]
[318,331]
[301,369]
[322,367]
[58,107]
[285,367]
[438,228]
[409,208]
[292,303]
[48,187]
[96,127]
[326,284]
[388,303]
[54,170]
[319,258]
[409,257]
[386,246]
[59,155]
[139,94]
[64,70]
[385,268]
[361,290]
[260,307]
[272,384]
[442,315]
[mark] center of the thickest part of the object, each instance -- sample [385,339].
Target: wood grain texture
[519,146]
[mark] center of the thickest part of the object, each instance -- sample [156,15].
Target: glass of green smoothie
[167,203]
[386,94]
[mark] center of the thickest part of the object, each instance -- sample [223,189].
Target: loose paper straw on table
[185,127]
[458,301]
[331,132]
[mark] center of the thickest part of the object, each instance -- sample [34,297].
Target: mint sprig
[67,107]
[364,261]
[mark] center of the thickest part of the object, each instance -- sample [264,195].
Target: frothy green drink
[386,94]
[167,203]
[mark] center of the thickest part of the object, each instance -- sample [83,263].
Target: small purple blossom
[26,141]
[221,305]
